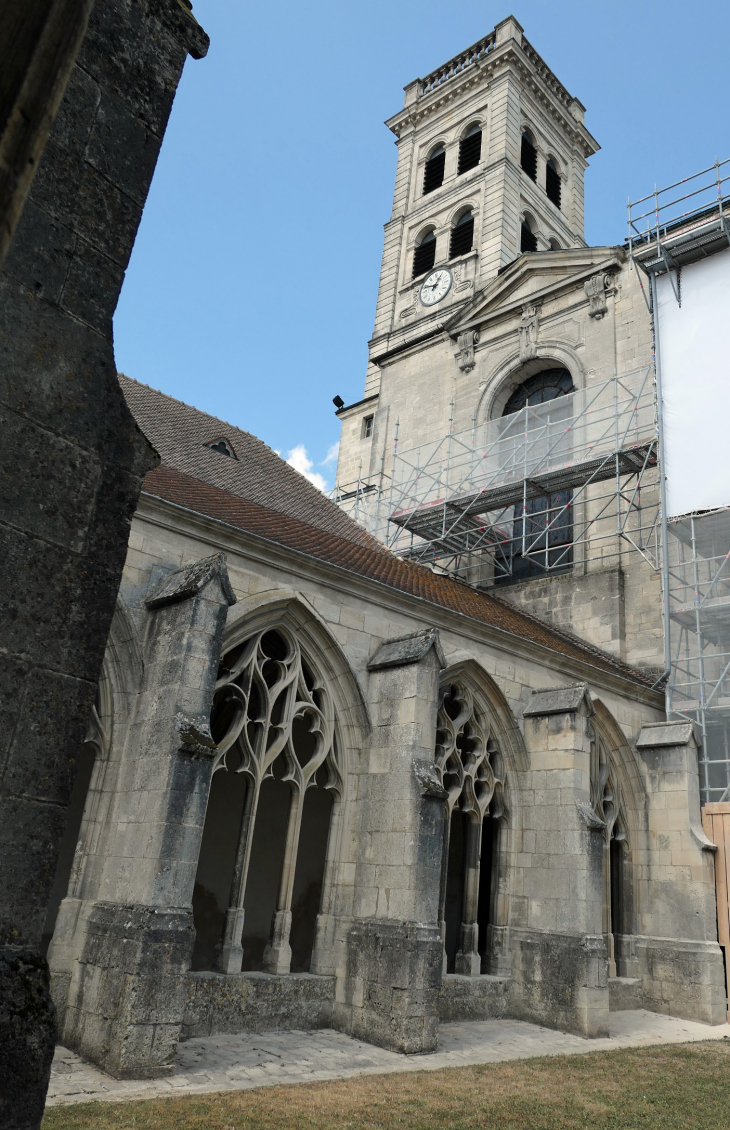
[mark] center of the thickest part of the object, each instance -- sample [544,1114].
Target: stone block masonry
[72,465]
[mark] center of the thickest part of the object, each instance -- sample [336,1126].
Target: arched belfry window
[462,235]
[542,530]
[608,804]
[528,239]
[552,183]
[424,255]
[433,175]
[470,149]
[528,156]
[470,767]
[277,778]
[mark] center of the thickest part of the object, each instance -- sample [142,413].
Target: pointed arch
[288,717]
[479,754]
[618,797]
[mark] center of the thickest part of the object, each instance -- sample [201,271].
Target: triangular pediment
[531,278]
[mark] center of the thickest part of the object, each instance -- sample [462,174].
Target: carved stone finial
[465,356]
[595,288]
[529,329]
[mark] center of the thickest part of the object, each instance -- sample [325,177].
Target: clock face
[436,286]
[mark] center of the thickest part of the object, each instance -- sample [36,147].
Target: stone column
[680,960]
[127,990]
[559,955]
[395,948]
[73,457]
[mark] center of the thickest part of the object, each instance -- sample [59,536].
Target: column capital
[560,700]
[403,650]
[188,581]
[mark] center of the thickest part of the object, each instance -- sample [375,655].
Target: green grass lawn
[672,1087]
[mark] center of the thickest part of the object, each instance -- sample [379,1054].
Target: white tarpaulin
[694,353]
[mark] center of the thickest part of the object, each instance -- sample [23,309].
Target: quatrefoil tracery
[270,703]
[468,761]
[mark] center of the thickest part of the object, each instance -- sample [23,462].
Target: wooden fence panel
[716,826]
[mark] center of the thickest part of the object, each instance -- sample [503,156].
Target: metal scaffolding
[669,229]
[535,491]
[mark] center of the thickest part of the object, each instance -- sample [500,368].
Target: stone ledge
[625,994]
[473,998]
[220,1004]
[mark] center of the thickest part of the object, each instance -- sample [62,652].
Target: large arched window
[471,770]
[470,149]
[462,235]
[261,870]
[542,530]
[433,174]
[607,803]
[424,255]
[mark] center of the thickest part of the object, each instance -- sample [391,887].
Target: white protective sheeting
[694,353]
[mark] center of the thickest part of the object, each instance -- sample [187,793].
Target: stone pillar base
[682,978]
[394,981]
[560,981]
[27,1038]
[127,996]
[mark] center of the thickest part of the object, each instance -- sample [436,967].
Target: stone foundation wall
[219,1004]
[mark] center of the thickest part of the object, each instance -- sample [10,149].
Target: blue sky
[251,289]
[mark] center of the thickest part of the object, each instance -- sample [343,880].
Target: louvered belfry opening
[552,184]
[528,241]
[424,256]
[433,177]
[470,150]
[462,236]
[528,157]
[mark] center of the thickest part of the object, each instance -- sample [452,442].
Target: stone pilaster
[680,961]
[559,955]
[395,947]
[127,993]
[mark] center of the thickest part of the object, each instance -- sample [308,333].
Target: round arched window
[544,386]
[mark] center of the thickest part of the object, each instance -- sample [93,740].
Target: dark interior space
[217,860]
[454,903]
[309,876]
[490,832]
[267,860]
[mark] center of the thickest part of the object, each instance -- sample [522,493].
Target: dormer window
[462,235]
[552,183]
[528,157]
[222,446]
[424,255]
[470,149]
[433,176]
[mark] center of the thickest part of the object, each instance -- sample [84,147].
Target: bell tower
[491,155]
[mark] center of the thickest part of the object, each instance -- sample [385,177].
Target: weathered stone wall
[72,463]
[378,939]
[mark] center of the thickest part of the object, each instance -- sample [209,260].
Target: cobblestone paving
[232,1063]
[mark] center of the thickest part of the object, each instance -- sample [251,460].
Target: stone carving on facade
[465,357]
[595,289]
[271,707]
[470,768]
[528,330]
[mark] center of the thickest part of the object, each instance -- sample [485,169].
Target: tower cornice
[477,66]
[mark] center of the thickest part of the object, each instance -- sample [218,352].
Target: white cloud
[331,456]
[300,461]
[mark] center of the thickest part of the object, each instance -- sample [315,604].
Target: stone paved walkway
[232,1063]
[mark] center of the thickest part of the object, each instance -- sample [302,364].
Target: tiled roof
[180,434]
[374,562]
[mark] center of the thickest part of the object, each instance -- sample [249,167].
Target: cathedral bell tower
[491,154]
